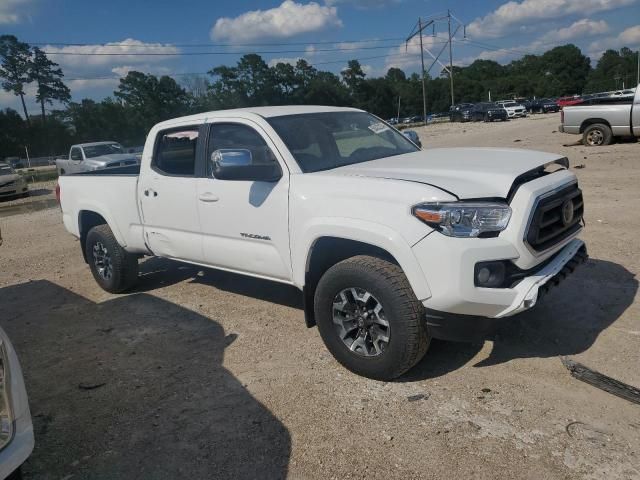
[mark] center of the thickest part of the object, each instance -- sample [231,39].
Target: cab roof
[265,112]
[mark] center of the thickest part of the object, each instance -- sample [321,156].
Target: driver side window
[236,136]
[76,154]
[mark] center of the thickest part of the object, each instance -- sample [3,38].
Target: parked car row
[483,112]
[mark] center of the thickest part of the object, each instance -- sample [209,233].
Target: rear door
[167,192]
[245,223]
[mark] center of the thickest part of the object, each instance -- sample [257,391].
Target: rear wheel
[112,266]
[597,134]
[369,317]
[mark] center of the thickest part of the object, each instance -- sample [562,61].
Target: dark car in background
[15,162]
[463,112]
[542,105]
[488,112]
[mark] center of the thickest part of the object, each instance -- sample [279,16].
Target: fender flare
[371,233]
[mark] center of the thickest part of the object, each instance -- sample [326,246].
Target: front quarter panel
[370,210]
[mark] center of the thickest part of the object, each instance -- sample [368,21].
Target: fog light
[489,274]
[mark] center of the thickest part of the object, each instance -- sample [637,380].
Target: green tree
[13,133]
[15,59]
[148,100]
[48,78]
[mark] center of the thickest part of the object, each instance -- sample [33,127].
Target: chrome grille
[555,218]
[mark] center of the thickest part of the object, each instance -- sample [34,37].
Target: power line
[202,45]
[188,54]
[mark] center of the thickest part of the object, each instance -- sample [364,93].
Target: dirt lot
[203,374]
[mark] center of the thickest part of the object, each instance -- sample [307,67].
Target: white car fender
[367,232]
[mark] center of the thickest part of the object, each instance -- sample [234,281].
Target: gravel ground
[204,374]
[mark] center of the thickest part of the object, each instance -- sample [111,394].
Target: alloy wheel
[360,322]
[102,261]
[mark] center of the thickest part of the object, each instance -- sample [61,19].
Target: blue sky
[322,32]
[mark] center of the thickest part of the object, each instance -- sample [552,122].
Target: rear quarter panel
[112,197]
[617,116]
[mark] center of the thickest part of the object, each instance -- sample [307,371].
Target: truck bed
[111,193]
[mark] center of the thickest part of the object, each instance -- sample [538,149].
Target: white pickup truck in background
[390,245]
[86,157]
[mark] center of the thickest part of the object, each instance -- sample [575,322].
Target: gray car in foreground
[86,157]
[599,121]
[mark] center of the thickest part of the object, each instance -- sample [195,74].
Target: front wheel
[597,134]
[369,318]
[112,266]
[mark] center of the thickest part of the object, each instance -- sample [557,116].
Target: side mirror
[413,136]
[237,164]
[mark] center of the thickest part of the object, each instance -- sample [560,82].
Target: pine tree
[15,58]
[48,77]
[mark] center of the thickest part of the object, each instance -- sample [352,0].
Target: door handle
[151,192]
[208,197]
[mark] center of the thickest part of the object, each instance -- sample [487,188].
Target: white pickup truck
[86,157]
[390,245]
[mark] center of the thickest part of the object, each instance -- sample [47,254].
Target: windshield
[321,141]
[6,169]
[104,149]
[510,104]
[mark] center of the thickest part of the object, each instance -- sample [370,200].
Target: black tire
[408,339]
[123,271]
[596,135]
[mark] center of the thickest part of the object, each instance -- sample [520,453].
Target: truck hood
[464,172]
[106,160]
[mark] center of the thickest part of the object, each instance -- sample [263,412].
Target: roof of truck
[266,112]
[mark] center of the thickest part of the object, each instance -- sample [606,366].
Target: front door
[245,223]
[168,195]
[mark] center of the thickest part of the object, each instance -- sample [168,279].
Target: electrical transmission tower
[432,21]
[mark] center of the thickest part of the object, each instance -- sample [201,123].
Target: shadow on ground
[134,387]
[566,322]
[158,272]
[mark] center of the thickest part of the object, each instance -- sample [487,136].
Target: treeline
[141,100]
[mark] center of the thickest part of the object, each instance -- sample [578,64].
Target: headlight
[6,416]
[464,219]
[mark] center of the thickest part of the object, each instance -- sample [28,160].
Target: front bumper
[15,189]
[461,327]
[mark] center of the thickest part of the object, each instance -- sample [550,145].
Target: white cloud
[364,4]
[287,20]
[97,76]
[96,56]
[515,15]
[12,11]
[581,28]
[627,38]
[407,56]
[577,30]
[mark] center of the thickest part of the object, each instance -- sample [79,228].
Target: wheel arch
[87,219]
[327,250]
[591,121]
